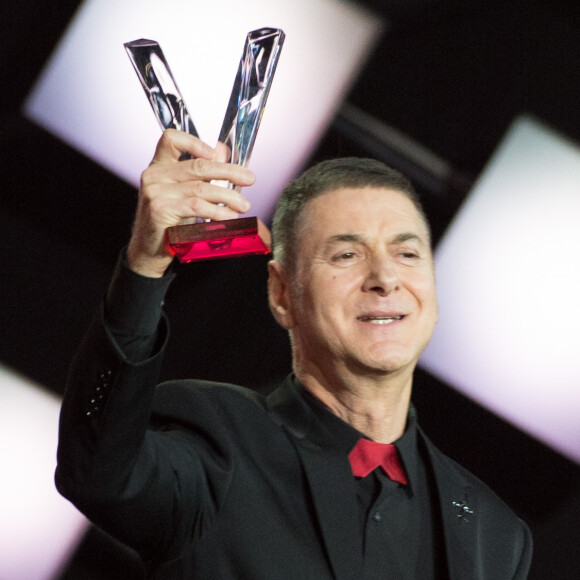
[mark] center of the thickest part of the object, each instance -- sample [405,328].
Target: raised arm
[123,476]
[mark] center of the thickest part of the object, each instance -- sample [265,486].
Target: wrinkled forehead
[363,211]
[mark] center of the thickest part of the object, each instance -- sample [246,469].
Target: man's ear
[279,295]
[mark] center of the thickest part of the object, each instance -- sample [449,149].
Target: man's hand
[173,190]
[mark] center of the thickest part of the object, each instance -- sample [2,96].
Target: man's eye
[344,256]
[409,256]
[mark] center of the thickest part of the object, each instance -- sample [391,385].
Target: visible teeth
[379,319]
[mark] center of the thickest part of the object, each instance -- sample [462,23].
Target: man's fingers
[208,193]
[202,170]
[174,190]
[215,194]
[170,212]
[222,152]
[173,144]
[201,208]
[173,202]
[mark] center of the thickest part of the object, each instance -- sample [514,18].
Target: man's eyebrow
[356,238]
[359,238]
[406,236]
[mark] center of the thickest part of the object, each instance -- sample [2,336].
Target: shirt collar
[344,437]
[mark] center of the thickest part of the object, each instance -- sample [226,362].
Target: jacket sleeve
[127,478]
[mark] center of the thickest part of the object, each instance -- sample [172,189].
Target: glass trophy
[205,239]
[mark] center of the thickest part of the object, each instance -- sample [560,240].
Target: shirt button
[377,516]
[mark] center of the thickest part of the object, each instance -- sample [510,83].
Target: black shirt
[399,525]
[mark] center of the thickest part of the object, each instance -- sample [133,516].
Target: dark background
[450,74]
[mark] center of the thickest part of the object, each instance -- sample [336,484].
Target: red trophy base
[214,240]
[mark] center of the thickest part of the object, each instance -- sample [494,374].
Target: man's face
[364,294]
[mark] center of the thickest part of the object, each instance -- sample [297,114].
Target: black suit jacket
[227,484]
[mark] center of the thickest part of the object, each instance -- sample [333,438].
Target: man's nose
[382,276]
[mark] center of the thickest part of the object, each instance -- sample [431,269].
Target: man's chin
[385,367]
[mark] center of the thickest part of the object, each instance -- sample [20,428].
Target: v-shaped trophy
[205,239]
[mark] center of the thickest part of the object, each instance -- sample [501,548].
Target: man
[213,481]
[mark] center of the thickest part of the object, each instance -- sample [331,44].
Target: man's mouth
[380,319]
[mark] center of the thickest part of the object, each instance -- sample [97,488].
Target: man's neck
[376,407]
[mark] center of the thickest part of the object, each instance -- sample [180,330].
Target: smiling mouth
[379,319]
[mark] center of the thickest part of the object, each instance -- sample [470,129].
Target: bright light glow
[90,97]
[38,528]
[508,276]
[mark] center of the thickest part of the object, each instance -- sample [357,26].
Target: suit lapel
[459,514]
[328,475]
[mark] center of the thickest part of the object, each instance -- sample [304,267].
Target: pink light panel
[88,94]
[508,276]
[39,529]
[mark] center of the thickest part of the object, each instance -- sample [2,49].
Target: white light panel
[39,529]
[508,275]
[89,95]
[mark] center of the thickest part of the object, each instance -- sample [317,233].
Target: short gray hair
[323,178]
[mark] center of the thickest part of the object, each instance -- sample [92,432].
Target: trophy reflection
[205,239]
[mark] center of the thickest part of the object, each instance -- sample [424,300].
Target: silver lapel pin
[464,510]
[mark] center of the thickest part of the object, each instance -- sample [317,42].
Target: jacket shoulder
[191,399]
